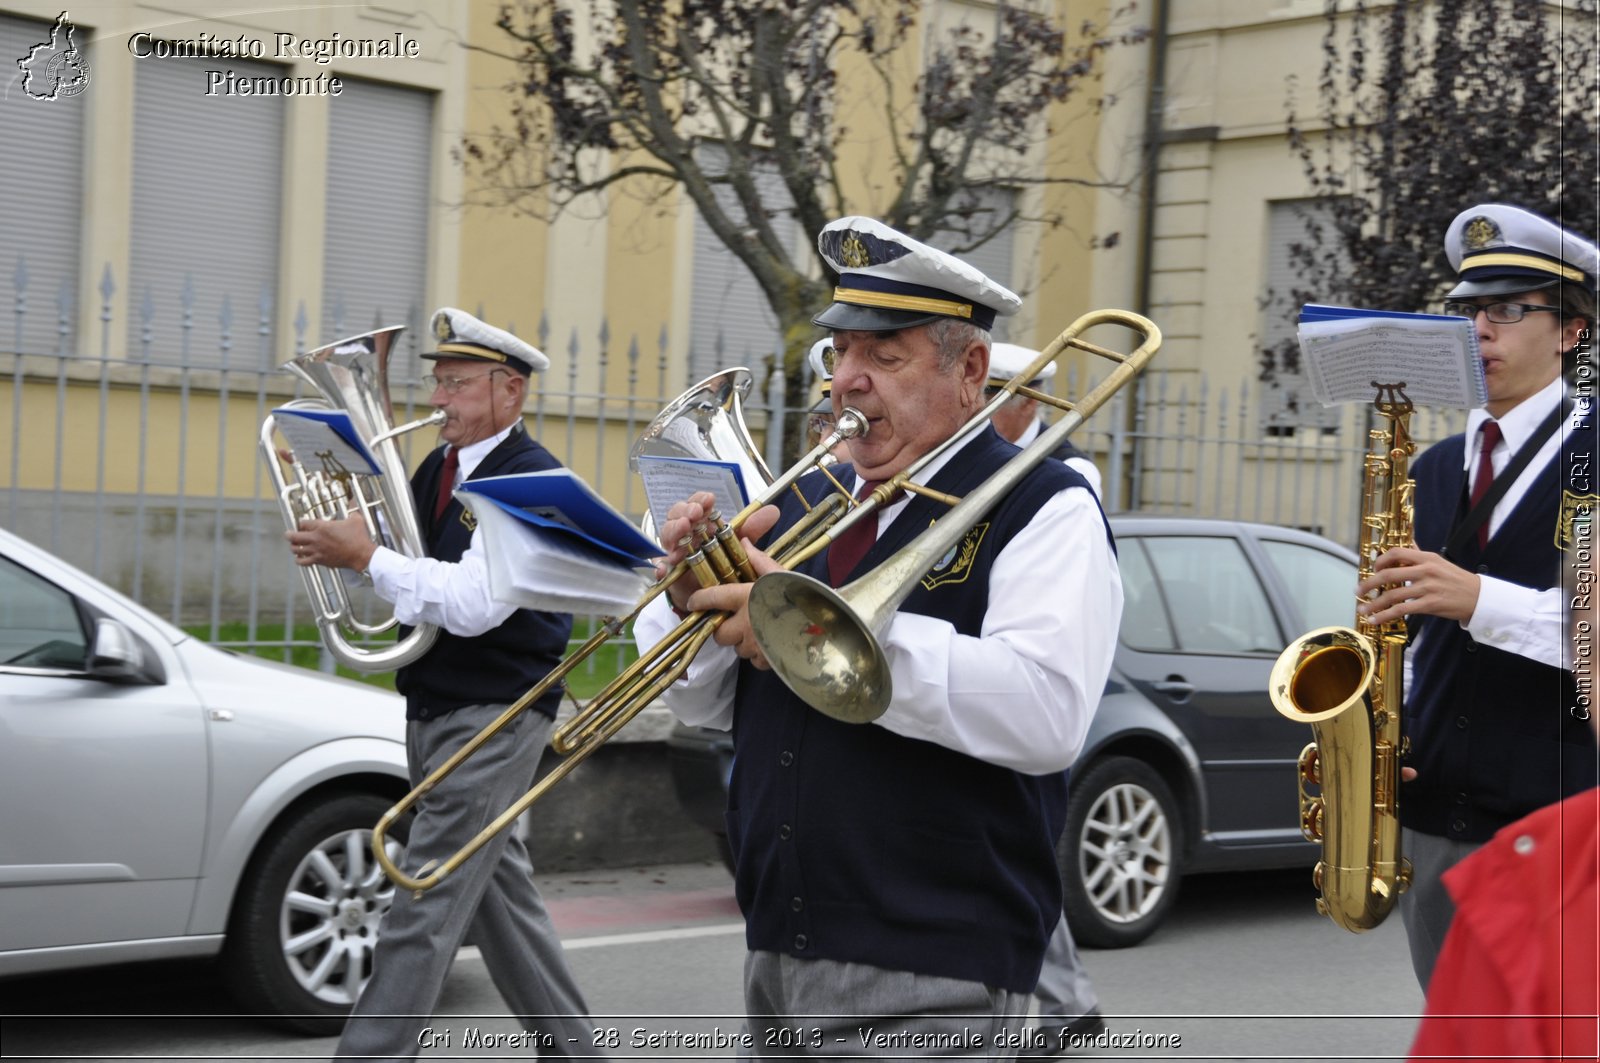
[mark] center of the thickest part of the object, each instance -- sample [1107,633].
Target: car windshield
[25,552]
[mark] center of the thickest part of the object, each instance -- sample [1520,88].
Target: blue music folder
[1323,312]
[558,501]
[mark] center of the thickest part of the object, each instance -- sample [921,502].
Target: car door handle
[1175,687]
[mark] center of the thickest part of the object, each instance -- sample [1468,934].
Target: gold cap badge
[1479,233]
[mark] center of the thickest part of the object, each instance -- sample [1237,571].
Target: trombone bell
[819,647]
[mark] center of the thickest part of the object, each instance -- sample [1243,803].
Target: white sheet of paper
[537,569]
[1437,360]
[671,480]
[317,446]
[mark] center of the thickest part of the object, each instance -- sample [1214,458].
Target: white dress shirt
[1522,620]
[1020,695]
[1083,466]
[454,596]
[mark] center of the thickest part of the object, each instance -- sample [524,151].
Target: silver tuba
[706,422]
[352,376]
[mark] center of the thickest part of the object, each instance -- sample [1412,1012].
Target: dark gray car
[1187,767]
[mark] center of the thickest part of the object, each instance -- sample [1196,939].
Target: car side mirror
[120,656]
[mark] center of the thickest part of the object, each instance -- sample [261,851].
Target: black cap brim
[849,317]
[511,362]
[1501,286]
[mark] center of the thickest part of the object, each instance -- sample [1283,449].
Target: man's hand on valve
[686,593]
[333,543]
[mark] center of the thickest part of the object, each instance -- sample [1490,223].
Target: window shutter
[207,176]
[375,252]
[1286,401]
[995,257]
[39,214]
[725,301]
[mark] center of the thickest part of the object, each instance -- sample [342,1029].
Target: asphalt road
[1244,970]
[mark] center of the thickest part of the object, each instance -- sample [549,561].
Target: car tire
[1120,854]
[305,921]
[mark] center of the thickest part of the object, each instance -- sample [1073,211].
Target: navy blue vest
[858,845]
[1067,450]
[498,666]
[1493,734]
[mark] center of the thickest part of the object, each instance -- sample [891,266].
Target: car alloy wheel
[304,927]
[328,921]
[1119,855]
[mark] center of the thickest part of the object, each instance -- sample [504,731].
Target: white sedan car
[165,798]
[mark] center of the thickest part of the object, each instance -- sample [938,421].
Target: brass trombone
[823,642]
[720,558]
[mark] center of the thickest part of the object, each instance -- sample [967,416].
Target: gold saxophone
[1347,684]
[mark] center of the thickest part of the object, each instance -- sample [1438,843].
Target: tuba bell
[352,376]
[705,423]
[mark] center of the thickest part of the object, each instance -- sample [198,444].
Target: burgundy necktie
[447,482]
[846,552]
[1485,474]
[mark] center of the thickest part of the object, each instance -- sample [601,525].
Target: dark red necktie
[846,552]
[447,482]
[1485,474]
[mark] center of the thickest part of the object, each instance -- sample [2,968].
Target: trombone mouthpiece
[852,424]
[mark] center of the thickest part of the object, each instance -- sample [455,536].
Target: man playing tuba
[903,871]
[487,654]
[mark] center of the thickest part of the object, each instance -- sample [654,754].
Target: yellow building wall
[621,265]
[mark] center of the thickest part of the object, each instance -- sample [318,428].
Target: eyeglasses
[453,384]
[1499,313]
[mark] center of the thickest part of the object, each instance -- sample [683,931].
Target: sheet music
[670,480]
[1347,351]
[326,440]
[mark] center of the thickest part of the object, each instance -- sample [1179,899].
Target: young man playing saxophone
[1487,697]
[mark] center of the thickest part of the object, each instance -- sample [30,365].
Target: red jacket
[1519,971]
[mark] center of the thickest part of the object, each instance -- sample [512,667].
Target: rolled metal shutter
[207,184]
[727,307]
[374,258]
[40,170]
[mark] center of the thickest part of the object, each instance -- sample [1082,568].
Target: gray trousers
[823,1008]
[1426,908]
[492,894]
[1064,993]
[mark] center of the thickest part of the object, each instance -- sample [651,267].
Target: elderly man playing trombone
[898,878]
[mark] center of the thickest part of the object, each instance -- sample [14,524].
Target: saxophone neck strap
[1467,527]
